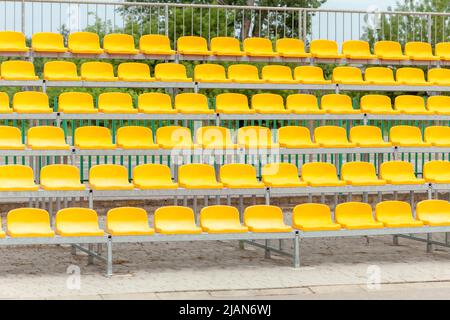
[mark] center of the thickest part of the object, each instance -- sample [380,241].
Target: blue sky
[358,4]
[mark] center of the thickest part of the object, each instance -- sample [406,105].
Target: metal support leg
[429,244]
[109,258]
[267,251]
[90,256]
[297,251]
[395,240]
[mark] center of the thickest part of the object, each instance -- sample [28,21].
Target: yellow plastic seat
[410,104]
[357,49]
[28,223]
[291,48]
[325,49]
[155,44]
[277,74]
[310,75]
[356,215]
[321,174]
[171,72]
[135,137]
[193,45]
[239,175]
[97,71]
[192,103]
[153,176]
[281,175]
[407,136]
[61,71]
[48,42]
[76,102]
[389,50]
[2,233]
[16,177]
[301,103]
[399,172]
[155,102]
[128,221]
[435,213]
[4,103]
[439,76]
[116,102]
[439,104]
[332,137]
[198,176]
[119,43]
[442,50]
[11,138]
[12,41]
[61,177]
[420,51]
[438,136]
[226,46]
[265,218]
[377,104]
[221,219]
[244,73]
[295,137]
[109,177]
[313,217]
[46,138]
[380,76]
[255,137]
[347,75]
[268,103]
[368,137]
[259,47]
[337,104]
[134,71]
[84,43]
[359,173]
[396,214]
[31,102]
[77,222]
[437,171]
[411,76]
[18,70]
[176,220]
[233,103]
[210,72]
[93,137]
[174,137]
[214,137]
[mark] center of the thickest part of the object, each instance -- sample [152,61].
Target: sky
[358,4]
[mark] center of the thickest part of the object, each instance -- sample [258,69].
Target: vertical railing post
[304,25]
[429,22]
[23,17]
[166,19]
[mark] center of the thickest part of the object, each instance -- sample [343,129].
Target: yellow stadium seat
[268,103]
[332,137]
[420,51]
[389,50]
[244,73]
[18,70]
[301,103]
[357,49]
[93,137]
[28,223]
[11,138]
[435,213]
[356,215]
[411,76]
[337,104]
[116,102]
[77,222]
[321,174]
[214,137]
[410,104]
[61,177]
[396,214]
[109,177]
[192,103]
[438,136]
[399,172]
[407,136]
[325,49]
[135,137]
[193,45]
[277,74]
[347,75]
[176,220]
[11,41]
[46,138]
[226,46]
[16,177]
[4,103]
[252,137]
[295,137]
[368,137]
[2,233]
[119,43]
[221,219]
[128,221]
[439,104]
[437,171]
[48,42]
[134,71]
[61,71]
[239,175]
[198,176]
[265,218]
[155,102]
[380,76]
[442,50]
[84,43]
[359,173]
[174,137]
[31,102]
[377,104]
[209,72]
[97,71]
[439,76]
[291,48]
[235,103]
[281,175]
[171,72]
[313,217]
[310,75]
[259,47]
[156,44]
[76,102]
[153,176]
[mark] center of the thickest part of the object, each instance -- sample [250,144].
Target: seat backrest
[435,134]
[256,44]
[407,74]
[17,69]
[170,71]
[45,135]
[134,135]
[78,219]
[133,70]
[74,101]
[366,134]
[84,41]
[356,47]
[233,101]
[108,172]
[156,101]
[351,211]
[186,102]
[309,73]
[408,101]
[392,210]
[355,169]
[290,45]
[152,172]
[173,136]
[438,75]
[302,101]
[85,135]
[280,170]
[95,69]
[42,41]
[323,47]
[16,174]
[192,43]
[210,136]
[25,100]
[336,102]
[262,213]
[436,168]
[398,134]
[209,71]
[4,102]
[375,102]
[111,100]
[118,41]
[27,216]
[195,172]
[312,170]
[330,134]
[432,207]
[267,101]
[311,213]
[12,40]
[254,136]
[154,42]
[54,172]
[218,213]
[400,169]
[60,69]
[442,49]
[174,215]
[388,48]
[243,72]
[10,135]
[379,74]
[126,216]
[275,72]
[294,134]
[342,74]
[237,171]
[225,44]
[418,48]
